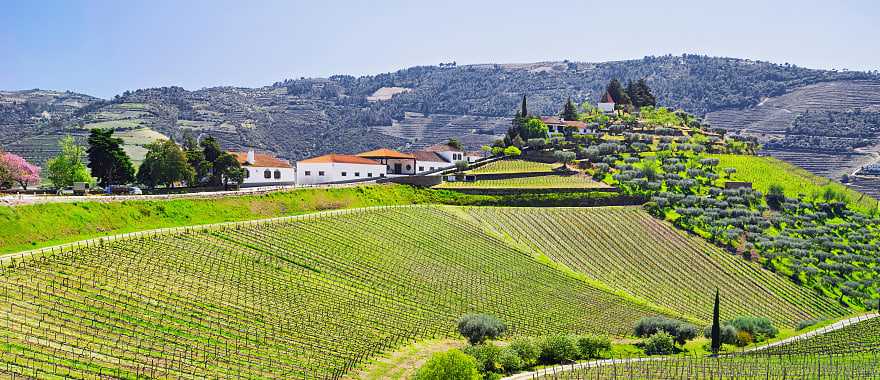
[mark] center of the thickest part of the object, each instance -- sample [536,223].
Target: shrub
[660,343]
[591,346]
[512,151]
[775,196]
[527,350]
[557,349]
[743,338]
[487,357]
[510,360]
[452,364]
[680,330]
[479,327]
[758,327]
[804,324]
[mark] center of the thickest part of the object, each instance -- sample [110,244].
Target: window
[409,167]
[247,173]
[357,174]
[421,168]
[308,172]
[267,174]
[321,173]
[370,174]
[344,174]
[277,174]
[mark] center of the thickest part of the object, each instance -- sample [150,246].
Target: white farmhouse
[337,168]
[262,169]
[555,124]
[606,103]
[448,152]
[430,161]
[396,163]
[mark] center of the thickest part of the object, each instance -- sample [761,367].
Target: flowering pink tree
[14,169]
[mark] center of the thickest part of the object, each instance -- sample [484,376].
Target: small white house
[448,152]
[396,163]
[555,124]
[337,168]
[262,169]
[430,161]
[606,103]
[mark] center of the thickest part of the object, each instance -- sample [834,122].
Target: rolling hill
[313,296]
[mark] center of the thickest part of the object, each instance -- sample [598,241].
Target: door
[397,168]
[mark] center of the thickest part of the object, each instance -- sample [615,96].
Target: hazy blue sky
[105,47]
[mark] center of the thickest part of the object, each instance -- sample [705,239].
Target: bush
[452,364]
[556,349]
[804,324]
[479,327]
[758,327]
[680,330]
[512,151]
[592,346]
[775,197]
[510,360]
[660,343]
[487,357]
[527,350]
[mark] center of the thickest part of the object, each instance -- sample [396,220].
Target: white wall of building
[606,107]
[316,173]
[425,166]
[451,155]
[256,175]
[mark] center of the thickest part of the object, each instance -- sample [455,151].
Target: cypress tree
[524,111]
[716,326]
[569,112]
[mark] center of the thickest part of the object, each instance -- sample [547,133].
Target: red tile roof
[261,160]
[423,155]
[339,159]
[384,153]
[555,120]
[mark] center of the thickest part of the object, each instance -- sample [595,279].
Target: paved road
[599,363]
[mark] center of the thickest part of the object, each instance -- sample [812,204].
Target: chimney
[251,158]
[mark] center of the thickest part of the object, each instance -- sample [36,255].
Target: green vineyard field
[513,167]
[627,249]
[863,336]
[550,181]
[302,297]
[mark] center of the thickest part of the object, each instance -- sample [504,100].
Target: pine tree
[108,162]
[524,112]
[640,94]
[716,326]
[617,92]
[569,111]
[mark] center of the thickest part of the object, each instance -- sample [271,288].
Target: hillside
[307,297]
[300,118]
[630,250]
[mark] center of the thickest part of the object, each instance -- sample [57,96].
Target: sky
[103,48]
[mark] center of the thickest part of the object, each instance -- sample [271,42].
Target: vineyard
[628,249]
[861,336]
[546,182]
[299,297]
[863,366]
[513,167]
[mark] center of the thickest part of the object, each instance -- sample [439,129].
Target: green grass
[765,171]
[551,181]
[513,167]
[306,297]
[115,124]
[630,251]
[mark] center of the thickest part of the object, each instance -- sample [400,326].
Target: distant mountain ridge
[299,118]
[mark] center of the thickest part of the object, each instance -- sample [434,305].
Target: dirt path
[404,363]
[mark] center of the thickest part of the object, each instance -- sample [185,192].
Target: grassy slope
[292,299]
[551,181]
[629,250]
[33,226]
[765,171]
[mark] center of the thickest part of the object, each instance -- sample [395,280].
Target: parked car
[123,190]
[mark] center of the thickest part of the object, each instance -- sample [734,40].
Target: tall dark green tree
[617,92]
[165,164]
[228,170]
[569,111]
[716,325]
[640,94]
[195,156]
[524,111]
[212,152]
[107,161]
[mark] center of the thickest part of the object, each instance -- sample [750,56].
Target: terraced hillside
[513,167]
[423,130]
[305,297]
[628,249]
[545,182]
